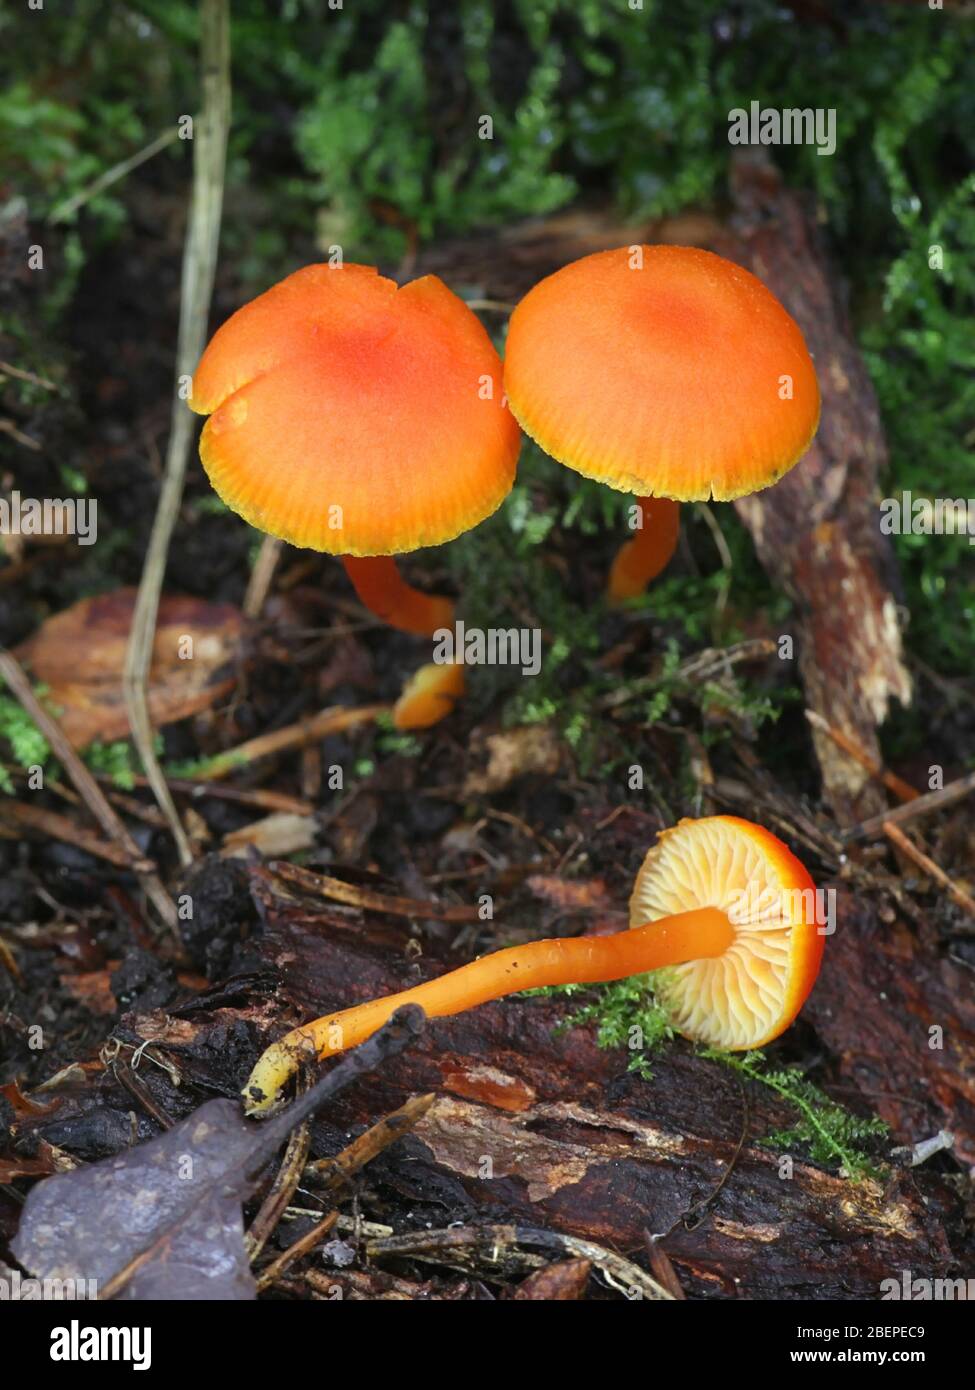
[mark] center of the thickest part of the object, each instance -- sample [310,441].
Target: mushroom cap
[662,374]
[751,993]
[353,416]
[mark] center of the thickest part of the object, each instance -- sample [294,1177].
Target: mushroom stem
[642,558]
[704,932]
[386,593]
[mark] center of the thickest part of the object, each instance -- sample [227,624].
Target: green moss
[827,1131]
[627,1015]
[27,745]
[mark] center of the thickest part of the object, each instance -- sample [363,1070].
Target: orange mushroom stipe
[721,912]
[386,593]
[649,552]
[357,417]
[664,371]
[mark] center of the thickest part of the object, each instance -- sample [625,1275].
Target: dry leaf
[79,655]
[279,833]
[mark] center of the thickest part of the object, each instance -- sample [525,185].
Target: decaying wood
[817,531]
[901,1022]
[536,1128]
[541,1128]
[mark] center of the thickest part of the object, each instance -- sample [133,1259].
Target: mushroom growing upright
[721,912]
[353,416]
[663,371]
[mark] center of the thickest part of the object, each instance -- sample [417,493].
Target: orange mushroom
[722,914]
[663,371]
[353,416]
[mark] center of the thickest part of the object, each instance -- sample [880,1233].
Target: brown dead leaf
[533,748]
[80,655]
[93,989]
[279,833]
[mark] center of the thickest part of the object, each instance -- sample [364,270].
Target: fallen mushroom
[721,912]
[663,371]
[353,416]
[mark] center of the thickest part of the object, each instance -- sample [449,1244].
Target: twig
[8,369]
[261,576]
[625,1276]
[58,827]
[8,427]
[901,789]
[327,721]
[199,267]
[494,306]
[105,180]
[339,891]
[933,870]
[88,788]
[282,1189]
[921,806]
[306,1243]
[260,797]
[9,962]
[337,1171]
[709,662]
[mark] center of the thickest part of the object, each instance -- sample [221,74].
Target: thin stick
[901,789]
[272,1272]
[491,1241]
[712,661]
[8,369]
[282,1190]
[260,797]
[87,787]
[199,267]
[8,427]
[354,896]
[261,576]
[118,171]
[328,721]
[921,806]
[58,827]
[928,866]
[337,1172]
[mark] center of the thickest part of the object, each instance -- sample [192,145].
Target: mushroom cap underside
[752,992]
